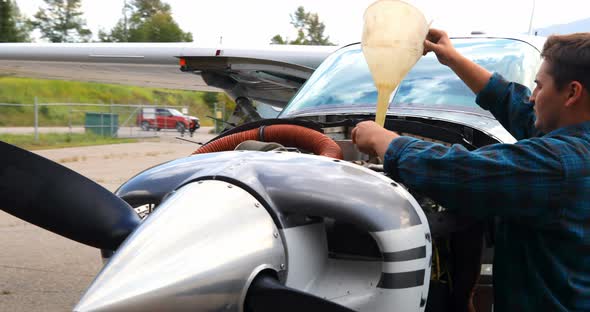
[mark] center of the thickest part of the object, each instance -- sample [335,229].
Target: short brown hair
[569,58]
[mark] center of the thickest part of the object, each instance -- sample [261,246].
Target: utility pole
[531,20]
[125,22]
[215,115]
[36,120]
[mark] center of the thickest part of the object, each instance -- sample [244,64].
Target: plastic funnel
[392,42]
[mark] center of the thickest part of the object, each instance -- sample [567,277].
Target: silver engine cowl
[195,250]
[236,214]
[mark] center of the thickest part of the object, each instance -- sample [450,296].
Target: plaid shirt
[539,187]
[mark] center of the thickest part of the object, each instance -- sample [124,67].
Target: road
[41,271]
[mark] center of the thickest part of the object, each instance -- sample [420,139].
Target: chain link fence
[114,119]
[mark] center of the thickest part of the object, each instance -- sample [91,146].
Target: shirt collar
[583,127]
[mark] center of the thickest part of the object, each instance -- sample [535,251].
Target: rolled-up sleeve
[509,103]
[396,147]
[489,181]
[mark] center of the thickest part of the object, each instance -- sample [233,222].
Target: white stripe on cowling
[401,239]
[404,266]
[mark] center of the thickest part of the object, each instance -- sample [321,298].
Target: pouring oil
[392,42]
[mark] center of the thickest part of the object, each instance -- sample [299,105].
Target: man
[539,186]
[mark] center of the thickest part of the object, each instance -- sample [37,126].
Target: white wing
[270,73]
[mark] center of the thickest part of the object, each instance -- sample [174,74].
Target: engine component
[287,135]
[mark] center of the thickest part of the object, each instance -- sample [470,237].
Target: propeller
[62,201]
[267,294]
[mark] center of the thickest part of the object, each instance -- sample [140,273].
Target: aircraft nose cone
[199,250]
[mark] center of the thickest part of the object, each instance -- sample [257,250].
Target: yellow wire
[437,263]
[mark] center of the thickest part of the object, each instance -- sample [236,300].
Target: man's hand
[372,139]
[474,76]
[438,42]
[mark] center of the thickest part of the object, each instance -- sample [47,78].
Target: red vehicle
[167,118]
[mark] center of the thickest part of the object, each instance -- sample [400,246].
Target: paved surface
[123,132]
[41,271]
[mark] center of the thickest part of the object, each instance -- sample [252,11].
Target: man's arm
[508,102]
[511,180]
[372,139]
[474,76]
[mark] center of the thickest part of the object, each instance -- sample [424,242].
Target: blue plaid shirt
[539,187]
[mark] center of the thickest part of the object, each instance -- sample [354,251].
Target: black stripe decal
[405,255]
[401,280]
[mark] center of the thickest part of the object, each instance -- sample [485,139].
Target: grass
[59,140]
[71,159]
[113,156]
[14,90]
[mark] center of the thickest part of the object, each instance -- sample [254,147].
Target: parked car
[166,118]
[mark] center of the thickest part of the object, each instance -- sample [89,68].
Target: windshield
[343,81]
[176,113]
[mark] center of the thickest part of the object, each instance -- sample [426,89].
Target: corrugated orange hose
[287,135]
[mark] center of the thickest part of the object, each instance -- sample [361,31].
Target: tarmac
[41,271]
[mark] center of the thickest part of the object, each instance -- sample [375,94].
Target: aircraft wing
[271,74]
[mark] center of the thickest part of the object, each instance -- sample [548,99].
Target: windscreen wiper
[233,125]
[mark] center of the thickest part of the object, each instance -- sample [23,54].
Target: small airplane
[299,221]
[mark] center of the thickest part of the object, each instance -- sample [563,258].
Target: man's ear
[575,92]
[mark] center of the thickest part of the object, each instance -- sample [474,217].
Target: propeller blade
[62,201]
[266,294]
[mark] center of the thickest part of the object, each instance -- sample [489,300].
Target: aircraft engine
[261,231]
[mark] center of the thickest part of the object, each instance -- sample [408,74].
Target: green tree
[61,21]
[13,26]
[145,9]
[210,98]
[277,39]
[160,27]
[119,33]
[146,21]
[310,31]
